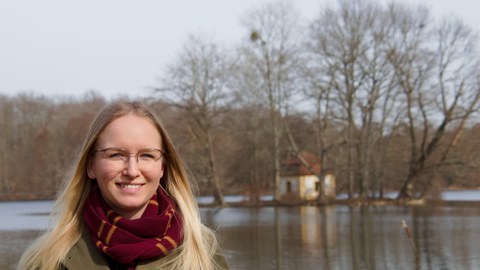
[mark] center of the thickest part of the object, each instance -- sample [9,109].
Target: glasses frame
[162,153]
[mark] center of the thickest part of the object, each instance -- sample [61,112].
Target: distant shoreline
[243,201]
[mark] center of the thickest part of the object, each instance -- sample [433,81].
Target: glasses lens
[148,156]
[115,154]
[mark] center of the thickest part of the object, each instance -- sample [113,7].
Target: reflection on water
[331,238]
[343,237]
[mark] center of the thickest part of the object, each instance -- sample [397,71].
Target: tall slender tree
[196,82]
[269,59]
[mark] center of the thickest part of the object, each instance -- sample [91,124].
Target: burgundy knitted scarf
[127,242]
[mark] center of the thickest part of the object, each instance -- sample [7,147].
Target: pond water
[334,237]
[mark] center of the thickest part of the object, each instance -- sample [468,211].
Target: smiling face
[126,186]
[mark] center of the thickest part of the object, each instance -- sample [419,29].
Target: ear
[91,170]
[163,171]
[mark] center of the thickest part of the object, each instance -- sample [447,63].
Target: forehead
[131,130]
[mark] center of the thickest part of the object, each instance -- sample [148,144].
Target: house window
[317,186]
[289,186]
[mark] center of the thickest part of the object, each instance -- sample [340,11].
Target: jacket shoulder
[84,255]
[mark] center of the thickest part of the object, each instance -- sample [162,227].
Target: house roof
[295,167]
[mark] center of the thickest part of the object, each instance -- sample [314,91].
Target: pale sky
[58,47]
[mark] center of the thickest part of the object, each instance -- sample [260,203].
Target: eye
[146,156]
[116,154]
[149,155]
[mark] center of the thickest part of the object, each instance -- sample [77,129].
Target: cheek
[102,172]
[108,175]
[154,175]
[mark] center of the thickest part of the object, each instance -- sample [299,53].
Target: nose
[131,167]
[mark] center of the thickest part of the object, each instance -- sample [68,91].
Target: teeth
[129,186]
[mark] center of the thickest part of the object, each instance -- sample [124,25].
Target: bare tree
[197,83]
[350,81]
[269,60]
[437,72]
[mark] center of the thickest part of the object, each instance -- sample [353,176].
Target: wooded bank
[386,96]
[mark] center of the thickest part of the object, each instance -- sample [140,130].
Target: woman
[127,204]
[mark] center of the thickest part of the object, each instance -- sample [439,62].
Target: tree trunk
[217,193]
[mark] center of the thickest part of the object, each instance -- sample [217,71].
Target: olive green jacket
[84,255]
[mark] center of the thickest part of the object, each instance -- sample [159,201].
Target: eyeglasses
[145,158]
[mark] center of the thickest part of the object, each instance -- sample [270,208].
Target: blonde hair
[199,242]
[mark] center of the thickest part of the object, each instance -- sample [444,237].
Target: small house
[300,182]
